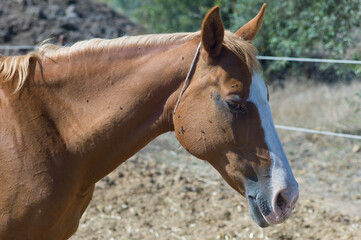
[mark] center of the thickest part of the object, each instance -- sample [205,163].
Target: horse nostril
[285,201]
[281,202]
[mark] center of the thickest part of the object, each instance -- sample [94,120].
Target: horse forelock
[243,49]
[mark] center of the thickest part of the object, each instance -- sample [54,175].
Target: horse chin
[255,212]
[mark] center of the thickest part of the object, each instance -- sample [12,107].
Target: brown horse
[71,115]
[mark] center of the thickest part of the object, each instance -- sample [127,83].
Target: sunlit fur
[16,67]
[243,49]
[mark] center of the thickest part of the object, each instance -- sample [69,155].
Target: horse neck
[115,103]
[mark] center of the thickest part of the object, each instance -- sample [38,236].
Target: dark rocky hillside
[29,22]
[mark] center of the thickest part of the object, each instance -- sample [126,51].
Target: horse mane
[18,66]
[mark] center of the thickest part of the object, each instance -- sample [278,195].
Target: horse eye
[236,107]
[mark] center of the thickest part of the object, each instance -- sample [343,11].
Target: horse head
[224,117]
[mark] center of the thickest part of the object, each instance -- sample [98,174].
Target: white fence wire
[268,58]
[315,60]
[19,47]
[327,133]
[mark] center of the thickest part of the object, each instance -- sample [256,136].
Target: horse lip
[256,213]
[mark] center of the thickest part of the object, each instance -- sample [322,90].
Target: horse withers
[71,115]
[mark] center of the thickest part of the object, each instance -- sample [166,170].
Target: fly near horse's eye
[236,107]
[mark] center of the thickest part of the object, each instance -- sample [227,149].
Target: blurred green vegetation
[308,28]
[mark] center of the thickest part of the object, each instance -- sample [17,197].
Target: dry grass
[324,107]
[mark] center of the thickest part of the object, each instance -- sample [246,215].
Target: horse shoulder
[42,196]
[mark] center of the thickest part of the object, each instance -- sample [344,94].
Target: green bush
[322,29]
[316,29]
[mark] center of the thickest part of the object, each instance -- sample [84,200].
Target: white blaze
[281,174]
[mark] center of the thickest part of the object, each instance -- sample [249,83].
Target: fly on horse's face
[225,118]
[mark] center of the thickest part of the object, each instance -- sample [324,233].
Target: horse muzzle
[271,206]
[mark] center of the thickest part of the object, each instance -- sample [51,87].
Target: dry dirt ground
[164,193]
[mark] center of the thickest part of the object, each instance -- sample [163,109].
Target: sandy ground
[164,193]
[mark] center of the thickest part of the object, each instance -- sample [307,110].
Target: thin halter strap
[187,78]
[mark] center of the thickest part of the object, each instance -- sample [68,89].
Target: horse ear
[250,29]
[212,32]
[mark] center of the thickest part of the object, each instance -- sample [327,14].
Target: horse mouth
[256,213]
